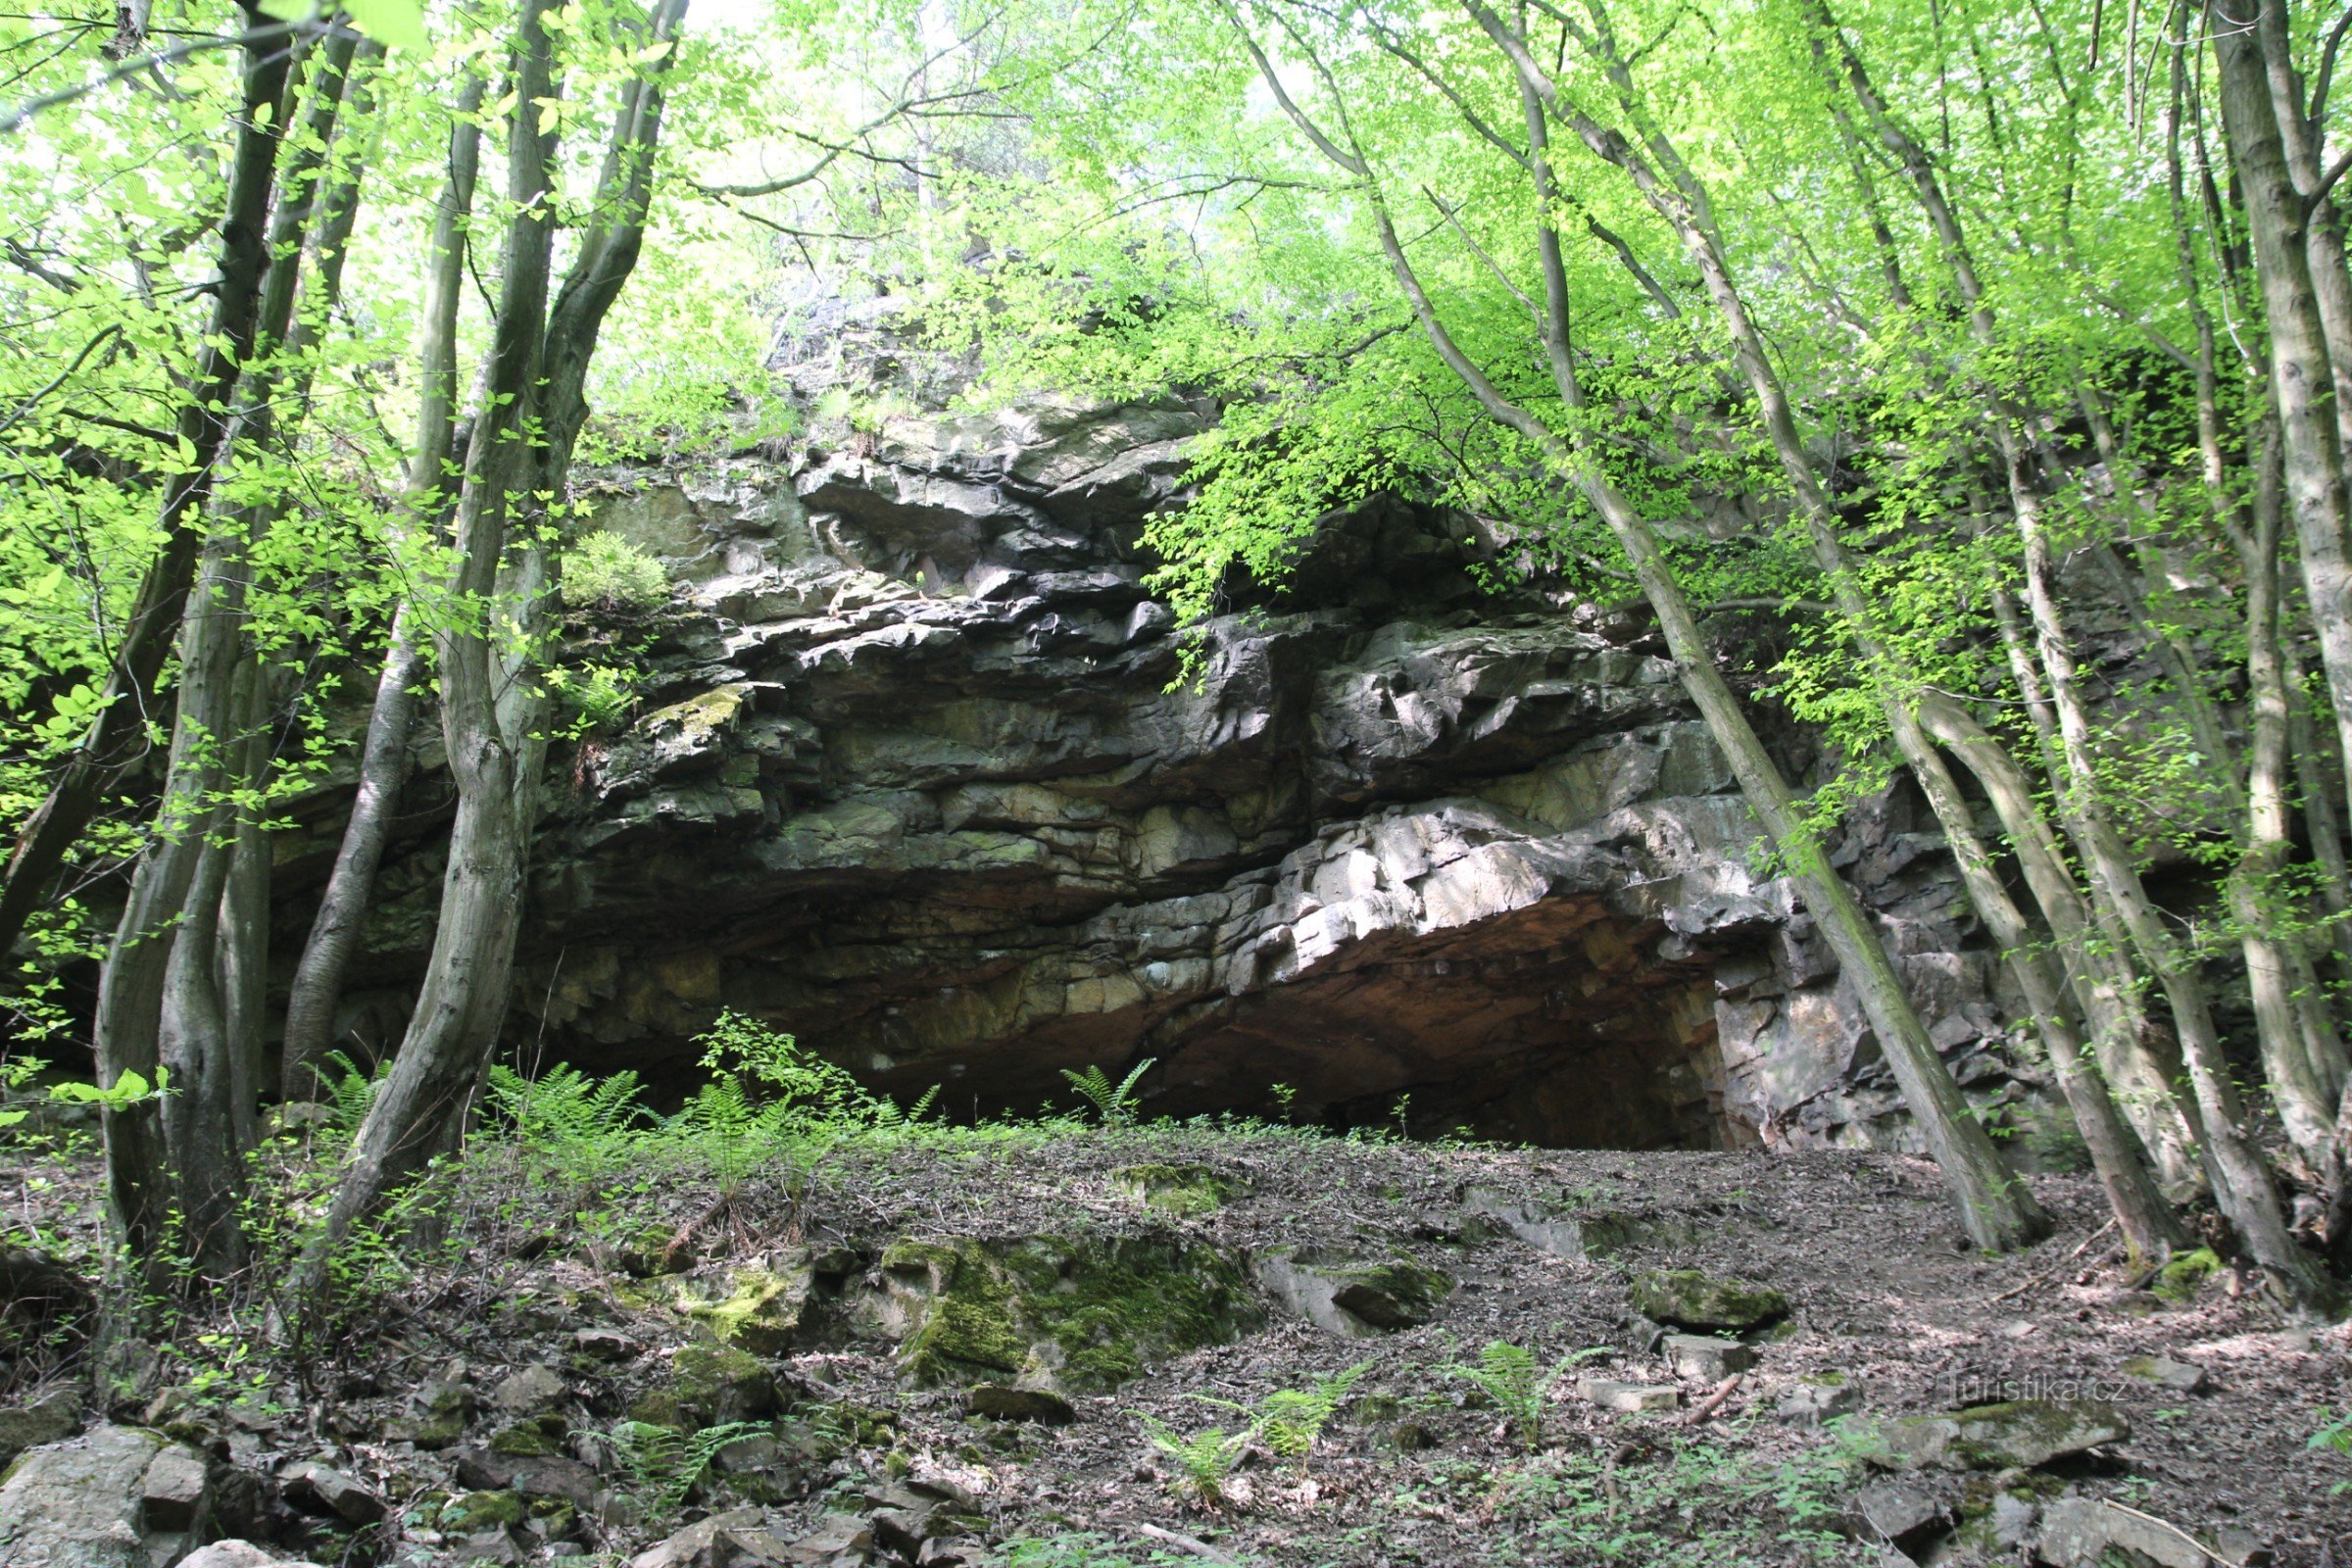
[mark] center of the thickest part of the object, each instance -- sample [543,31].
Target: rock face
[920,774]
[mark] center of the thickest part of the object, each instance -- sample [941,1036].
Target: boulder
[2089,1533]
[756,1306]
[1357,1298]
[1692,1300]
[46,1420]
[1818,1398]
[1705,1358]
[737,1539]
[1080,1312]
[317,1486]
[1628,1399]
[1001,1401]
[174,1492]
[529,1391]
[1895,1512]
[1579,1235]
[236,1555]
[1184,1191]
[2022,1433]
[2166,1373]
[77,1504]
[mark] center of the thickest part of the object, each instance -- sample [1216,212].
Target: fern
[1517,1383]
[1114,1103]
[1292,1420]
[664,1463]
[1203,1461]
[566,1111]
[352,1090]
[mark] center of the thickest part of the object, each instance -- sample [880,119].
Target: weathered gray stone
[76,1504]
[28,1426]
[2166,1373]
[1894,1512]
[322,1488]
[1822,1397]
[916,702]
[1628,1399]
[1001,1401]
[529,1391]
[2089,1533]
[1706,1358]
[174,1490]
[237,1554]
[1693,1299]
[1359,1298]
[2021,1434]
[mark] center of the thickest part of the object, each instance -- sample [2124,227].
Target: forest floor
[530,1387]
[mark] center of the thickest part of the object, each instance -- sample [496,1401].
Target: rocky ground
[956,1348]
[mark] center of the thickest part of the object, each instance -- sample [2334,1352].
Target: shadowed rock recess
[914,778]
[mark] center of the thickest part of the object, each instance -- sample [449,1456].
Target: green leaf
[399,23]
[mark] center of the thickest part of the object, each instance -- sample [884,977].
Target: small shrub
[605,571]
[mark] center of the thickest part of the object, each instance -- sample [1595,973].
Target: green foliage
[1291,1421]
[2334,1435]
[1515,1383]
[580,1121]
[606,572]
[1114,1103]
[1696,1505]
[1082,1548]
[665,1464]
[1204,1462]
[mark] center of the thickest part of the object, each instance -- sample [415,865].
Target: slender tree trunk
[317,991]
[117,738]
[491,717]
[196,1045]
[2302,375]
[2302,1056]
[1995,1208]
[2141,1211]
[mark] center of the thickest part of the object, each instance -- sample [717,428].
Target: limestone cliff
[914,778]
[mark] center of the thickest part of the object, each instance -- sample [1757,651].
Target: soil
[1417,1467]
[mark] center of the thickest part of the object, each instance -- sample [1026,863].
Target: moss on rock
[1083,1312]
[758,1307]
[1183,1190]
[1693,1299]
[2180,1280]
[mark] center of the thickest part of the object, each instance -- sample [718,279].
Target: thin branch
[25,114]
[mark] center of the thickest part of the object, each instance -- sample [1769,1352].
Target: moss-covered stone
[2018,1434]
[1183,1190]
[758,1308]
[1355,1296]
[1082,1312]
[715,1384]
[2180,1280]
[1693,1299]
[538,1439]
[477,1511]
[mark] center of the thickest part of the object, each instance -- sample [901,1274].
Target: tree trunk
[116,736]
[2302,375]
[1995,1208]
[317,991]
[491,716]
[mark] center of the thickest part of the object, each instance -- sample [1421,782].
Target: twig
[2044,1279]
[1714,1402]
[2166,1524]
[1184,1543]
